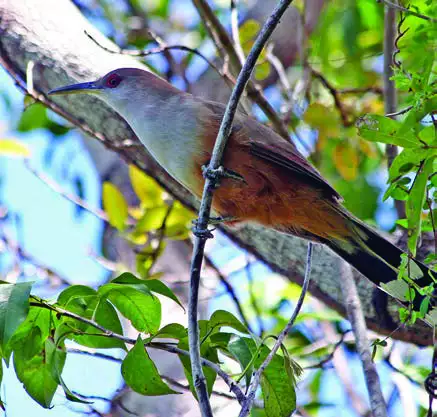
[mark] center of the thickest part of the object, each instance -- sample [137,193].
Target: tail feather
[379,260]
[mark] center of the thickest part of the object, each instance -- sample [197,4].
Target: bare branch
[390,96]
[201,231]
[57,188]
[356,318]
[229,289]
[227,51]
[395,6]
[235,32]
[245,410]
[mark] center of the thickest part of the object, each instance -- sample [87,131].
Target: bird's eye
[113,81]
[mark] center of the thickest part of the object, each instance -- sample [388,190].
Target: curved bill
[88,87]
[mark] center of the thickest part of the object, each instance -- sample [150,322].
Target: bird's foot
[201,232]
[216,175]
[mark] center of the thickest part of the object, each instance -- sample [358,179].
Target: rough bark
[51,34]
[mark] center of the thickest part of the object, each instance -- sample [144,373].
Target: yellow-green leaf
[345,159]
[14,148]
[115,206]
[148,190]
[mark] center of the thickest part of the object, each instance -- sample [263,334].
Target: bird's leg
[218,220]
[216,175]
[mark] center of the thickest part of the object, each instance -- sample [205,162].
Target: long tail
[379,260]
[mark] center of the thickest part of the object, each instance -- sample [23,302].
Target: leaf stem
[245,410]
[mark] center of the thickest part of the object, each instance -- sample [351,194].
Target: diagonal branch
[245,410]
[201,231]
[356,318]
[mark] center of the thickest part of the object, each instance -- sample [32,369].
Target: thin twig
[235,32]
[57,188]
[408,11]
[390,96]
[202,232]
[252,297]
[245,410]
[15,247]
[356,318]
[329,357]
[229,289]
[335,95]
[161,236]
[170,380]
[227,51]
[153,51]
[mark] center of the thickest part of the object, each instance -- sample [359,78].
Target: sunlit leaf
[141,308]
[146,188]
[13,148]
[383,129]
[115,206]
[222,318]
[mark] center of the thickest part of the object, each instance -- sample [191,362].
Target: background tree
[320,78]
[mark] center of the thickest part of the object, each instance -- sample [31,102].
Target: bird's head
[121,87]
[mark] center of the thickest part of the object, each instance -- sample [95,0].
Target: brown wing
[265,144]
[295,163]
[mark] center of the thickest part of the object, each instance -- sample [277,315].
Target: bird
[268,181]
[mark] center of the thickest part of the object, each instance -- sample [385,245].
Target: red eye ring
[113,81]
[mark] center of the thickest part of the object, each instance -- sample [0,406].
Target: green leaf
[147,189]
[277,387]
[34,117]
[105,315]
[73,292]
[222,318]
[159,287]
[248,30]
[57,355]
[242,350]
[36,374]
[415,204]
[36,328]
[152,285]
[140,373]
[115,206]
[221,340]
[14,307]
[377,128]
[142,309]
[171,331]
[407,161]
[16,148]
[152,219]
